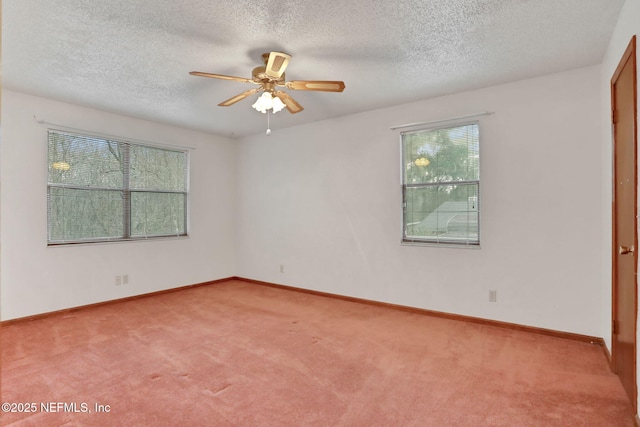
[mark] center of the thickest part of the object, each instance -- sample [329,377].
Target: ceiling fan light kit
[268,78]
[266,101]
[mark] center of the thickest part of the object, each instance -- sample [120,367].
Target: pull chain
[268,124]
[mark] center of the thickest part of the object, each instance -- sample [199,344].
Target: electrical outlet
[493,296]
[118,280]
[281,268]
[125,279]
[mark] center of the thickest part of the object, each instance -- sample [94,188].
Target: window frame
[126,190]
[437,242]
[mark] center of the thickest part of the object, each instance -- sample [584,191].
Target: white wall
[628,26]
[323,200]
[36,279]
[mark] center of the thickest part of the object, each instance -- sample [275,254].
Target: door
[625,236]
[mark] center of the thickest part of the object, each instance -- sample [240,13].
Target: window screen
[440,185]
[103,190]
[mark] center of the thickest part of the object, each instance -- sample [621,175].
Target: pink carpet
[241,354]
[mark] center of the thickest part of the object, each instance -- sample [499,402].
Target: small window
[441,185]
[105,190]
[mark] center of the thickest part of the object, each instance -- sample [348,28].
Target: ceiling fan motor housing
[260,75]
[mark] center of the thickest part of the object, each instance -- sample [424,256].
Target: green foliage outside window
[441,178]
[101,190]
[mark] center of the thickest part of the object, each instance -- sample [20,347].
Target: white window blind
[441,185]
[104,190]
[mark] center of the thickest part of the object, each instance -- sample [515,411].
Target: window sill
[441,245]
[103,242]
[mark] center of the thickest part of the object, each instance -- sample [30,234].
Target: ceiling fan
[269,78]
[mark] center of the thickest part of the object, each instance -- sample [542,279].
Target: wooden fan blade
[276,64]
[221,76]
[239,97]
[321,85]
[291,104]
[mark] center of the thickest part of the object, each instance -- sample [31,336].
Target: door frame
[630,53]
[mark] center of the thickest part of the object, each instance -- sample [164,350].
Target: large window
[440,185]
[104,190]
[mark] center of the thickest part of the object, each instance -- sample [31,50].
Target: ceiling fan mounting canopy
[272,75]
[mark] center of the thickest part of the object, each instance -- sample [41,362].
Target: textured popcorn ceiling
[133,56]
